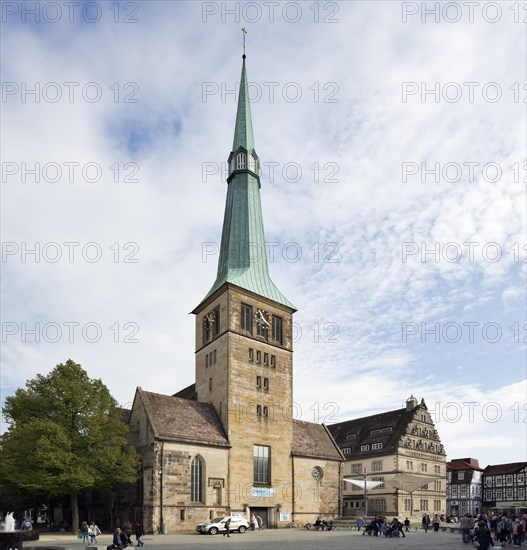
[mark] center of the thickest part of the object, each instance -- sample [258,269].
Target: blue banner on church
[264,492]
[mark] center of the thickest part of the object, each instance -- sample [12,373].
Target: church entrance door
[262,512]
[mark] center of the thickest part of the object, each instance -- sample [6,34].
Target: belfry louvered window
[241,161]
[207,326]
[246,318]
[277,330]
[252,163]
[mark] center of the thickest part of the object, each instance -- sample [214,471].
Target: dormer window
[241,161]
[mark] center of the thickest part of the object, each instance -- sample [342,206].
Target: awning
[360,483]
[410,482]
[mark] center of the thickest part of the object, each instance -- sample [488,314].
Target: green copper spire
[243,131]
[243,256]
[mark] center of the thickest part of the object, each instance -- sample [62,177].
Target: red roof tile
[510,468]
[464,464]
[177,419]
[314,440]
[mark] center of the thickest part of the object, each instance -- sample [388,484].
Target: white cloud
[359,211]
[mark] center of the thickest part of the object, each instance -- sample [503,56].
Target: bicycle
[295,525]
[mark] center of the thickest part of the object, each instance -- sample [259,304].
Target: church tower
[244,351]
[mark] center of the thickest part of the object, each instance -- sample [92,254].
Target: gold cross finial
[244,31]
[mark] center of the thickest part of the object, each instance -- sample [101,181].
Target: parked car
[217,525]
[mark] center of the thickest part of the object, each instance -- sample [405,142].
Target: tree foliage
[65,435]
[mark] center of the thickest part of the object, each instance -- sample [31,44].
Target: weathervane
[244,31]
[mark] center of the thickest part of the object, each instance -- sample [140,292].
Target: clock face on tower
[317,472]
[262,317]
[210,317]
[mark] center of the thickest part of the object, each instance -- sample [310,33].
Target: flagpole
[365,494]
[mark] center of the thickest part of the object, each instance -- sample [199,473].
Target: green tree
[66,434]
[14,497]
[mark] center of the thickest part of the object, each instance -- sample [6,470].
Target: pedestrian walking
[381,521]
[228,527]
[465,524]
[425,522]
[503,529]
[260,522]
[483,536]
[400,526]
[435,522]
[139,532]
[93,531]
[517,533]
[85,530]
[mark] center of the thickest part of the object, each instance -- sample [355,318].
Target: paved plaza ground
[274,539]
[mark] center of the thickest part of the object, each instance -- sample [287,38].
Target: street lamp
[365,493]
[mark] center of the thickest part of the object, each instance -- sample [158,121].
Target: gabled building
[464,487]
[382,446]
[505,487]
[228,444]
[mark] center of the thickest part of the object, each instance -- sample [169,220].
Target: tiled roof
[464,464]
[314,440]
[397,420]
[510,468]
[176,419]
[187,393]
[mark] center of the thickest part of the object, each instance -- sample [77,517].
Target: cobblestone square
[290,539]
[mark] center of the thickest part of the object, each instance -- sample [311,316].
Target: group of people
[435,522]
[321,525]
[256,522]
[504,529]
[89,532]
[122,536]
[380,526]
[394,529]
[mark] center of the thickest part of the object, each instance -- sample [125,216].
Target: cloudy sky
[392,138]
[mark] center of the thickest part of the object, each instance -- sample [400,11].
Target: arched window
[196,480]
